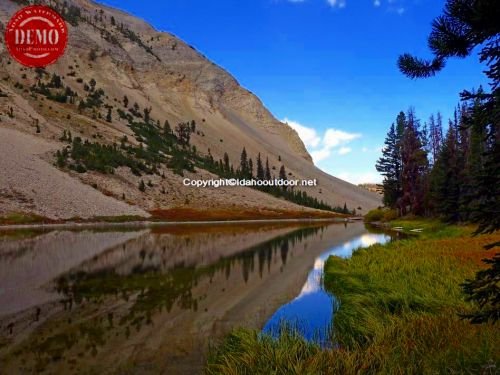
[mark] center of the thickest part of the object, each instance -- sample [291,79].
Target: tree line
[464,181]
[432,169]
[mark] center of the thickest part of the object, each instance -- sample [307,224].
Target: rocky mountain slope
[119,82]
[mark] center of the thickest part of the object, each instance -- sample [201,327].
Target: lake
[152,300]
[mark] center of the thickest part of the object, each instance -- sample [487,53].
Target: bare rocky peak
[124,56]
[192,73]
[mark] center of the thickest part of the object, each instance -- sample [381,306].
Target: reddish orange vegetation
[190,214]
[468,250]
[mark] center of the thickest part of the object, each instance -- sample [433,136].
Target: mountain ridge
[126,56]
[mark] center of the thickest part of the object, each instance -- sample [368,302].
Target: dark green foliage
[445,182]
[268,171]
[260,169]
[390,166]
[167,130]
[93,54]
[142,186]
[464,25]
[484,290]
[98,157]
[244,169]
[179,163]
[183,131]
[108,116]
[71,14]
[132,36]
[415,168]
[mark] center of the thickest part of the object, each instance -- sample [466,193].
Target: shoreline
[152,224]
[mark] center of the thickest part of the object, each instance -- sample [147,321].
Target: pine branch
[414,67]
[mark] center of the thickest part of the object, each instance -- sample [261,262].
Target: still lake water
[149,301]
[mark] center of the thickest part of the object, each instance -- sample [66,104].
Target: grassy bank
[399,314]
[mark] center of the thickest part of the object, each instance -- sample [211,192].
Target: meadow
[399,312]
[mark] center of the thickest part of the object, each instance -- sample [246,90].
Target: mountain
[118,82]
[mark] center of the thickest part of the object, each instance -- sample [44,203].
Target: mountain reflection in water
[150,301]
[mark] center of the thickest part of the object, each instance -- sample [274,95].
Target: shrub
[390,215]
[375,215]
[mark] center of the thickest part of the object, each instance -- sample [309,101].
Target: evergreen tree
[142,186]
[435,136]
[244,163]
[250,168]
[464,25]
[282,175]
[389,165]
[260,169]
[183,131]
[268,171]
[125,101]
[445,190]
[147,113]
[226,166]
[167,130]
[415,164]
[108,116]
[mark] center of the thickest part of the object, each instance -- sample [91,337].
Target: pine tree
[167,130]
[147,113]
[142,186]
[244,163]
[282,175]
[125,101]
[445,191]
[268,171]
[260,169]
[227,166]
[415,164]
[464,25]
[250,168]
[435,136]
[108,116]
[389,165]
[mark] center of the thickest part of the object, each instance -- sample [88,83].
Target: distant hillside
[123,88]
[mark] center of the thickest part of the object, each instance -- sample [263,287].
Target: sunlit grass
[398,314]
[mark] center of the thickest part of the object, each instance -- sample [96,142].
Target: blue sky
[327,67]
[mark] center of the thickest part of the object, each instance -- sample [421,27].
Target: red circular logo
[36,36]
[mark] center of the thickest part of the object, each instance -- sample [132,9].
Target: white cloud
[321,154]
[320,147]
[344,150]
[337,3]
[360,178]
[334,137]
[364,149]
[308,135]
[376,3]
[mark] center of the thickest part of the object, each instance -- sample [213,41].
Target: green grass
[433,229]
[16,218]
[399,314]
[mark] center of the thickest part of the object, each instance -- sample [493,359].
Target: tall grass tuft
[398,314]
